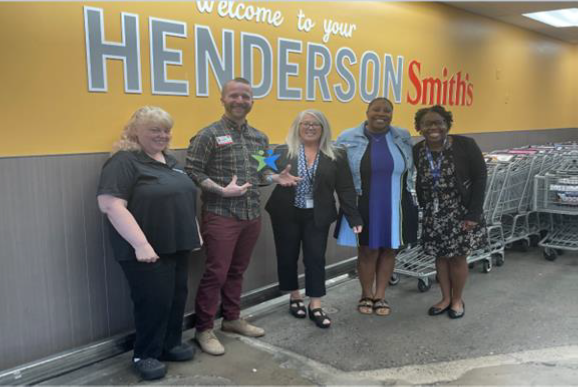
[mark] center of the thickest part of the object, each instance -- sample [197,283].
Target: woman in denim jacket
[380,158]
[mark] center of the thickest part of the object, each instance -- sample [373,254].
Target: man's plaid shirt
[218,152]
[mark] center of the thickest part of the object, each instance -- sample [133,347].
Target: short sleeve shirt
[161,197]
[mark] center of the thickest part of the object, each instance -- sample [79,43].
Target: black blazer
[331,176]
[471,174]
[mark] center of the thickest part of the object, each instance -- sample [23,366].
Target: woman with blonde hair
[301,215]
[151,207]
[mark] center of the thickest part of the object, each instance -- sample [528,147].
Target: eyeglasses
[315,125]
[429,124]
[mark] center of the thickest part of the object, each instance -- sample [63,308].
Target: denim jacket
[355,142]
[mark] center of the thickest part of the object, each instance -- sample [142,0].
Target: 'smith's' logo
[448,90]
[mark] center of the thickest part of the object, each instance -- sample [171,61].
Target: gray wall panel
[10,278]
[60,287]
[28,283]
[74,215]
[96,266]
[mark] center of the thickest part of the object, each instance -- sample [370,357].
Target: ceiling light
[558,18]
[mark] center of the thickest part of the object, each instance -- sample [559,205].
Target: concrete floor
[520,327]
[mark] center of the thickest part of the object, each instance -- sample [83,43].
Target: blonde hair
[146,114]
[293,141]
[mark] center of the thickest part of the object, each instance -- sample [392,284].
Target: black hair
[379,99]
[439,109]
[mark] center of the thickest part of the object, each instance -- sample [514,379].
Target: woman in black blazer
[302,215]
[450,185]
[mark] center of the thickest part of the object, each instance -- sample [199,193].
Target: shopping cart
[513,208]
[414,262]
[556,193]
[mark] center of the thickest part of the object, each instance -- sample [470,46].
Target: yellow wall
[521,80]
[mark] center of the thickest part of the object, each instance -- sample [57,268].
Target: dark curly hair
[446,115]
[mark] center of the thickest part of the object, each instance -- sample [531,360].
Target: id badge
[309,201]
[436,205]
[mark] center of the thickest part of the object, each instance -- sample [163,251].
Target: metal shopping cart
[540,222]
[414,262]
[556,193]
[513,208]
[495,185]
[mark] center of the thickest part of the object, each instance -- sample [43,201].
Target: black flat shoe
[182,352]
[150,369]
[453,314]
[297,308]
[433,311]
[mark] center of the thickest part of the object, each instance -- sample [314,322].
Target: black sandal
[365,305]
[297,308]
[381,307]
[318,316]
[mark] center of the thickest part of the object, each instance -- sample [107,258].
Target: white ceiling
[511,13]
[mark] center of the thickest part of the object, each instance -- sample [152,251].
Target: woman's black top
[332,176]
[471,174]
[161,197]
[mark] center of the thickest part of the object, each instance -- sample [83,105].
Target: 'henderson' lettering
[318,74]
[161,56]
[342,54]
[249,42]
[286,69]
[98,51]
[392,78]
[367,58]
[206,54]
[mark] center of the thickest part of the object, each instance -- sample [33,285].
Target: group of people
[372,169]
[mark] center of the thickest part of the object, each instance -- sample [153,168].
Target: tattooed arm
[231,190]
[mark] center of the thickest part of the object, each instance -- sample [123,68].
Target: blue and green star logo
[266,161]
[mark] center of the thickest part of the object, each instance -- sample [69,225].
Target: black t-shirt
[161,197]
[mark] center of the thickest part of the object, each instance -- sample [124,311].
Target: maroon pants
[229,244]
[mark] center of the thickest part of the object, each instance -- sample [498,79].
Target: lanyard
[310,177]
[435,168]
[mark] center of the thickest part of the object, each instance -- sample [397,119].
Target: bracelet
[269,179]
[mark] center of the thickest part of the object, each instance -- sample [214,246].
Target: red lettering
[451,93]
[470,98]
[445,86]
[460,90]
[433,85]
[414,79]
[450,89]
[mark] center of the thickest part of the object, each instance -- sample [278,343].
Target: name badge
[224,140]
[309,201]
